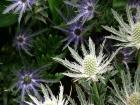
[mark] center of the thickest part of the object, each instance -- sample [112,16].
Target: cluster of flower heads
[75,28]
[91,66]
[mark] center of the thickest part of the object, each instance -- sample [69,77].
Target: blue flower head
[23,41]
[85,8]
[74,34]
[19,6]
[134,3]
[28,81]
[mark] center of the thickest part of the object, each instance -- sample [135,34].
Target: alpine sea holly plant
[90,64]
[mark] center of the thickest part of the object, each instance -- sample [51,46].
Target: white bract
[90,66]
[49,98]
[128,33]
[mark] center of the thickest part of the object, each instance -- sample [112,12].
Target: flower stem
[96,93]
[138,55]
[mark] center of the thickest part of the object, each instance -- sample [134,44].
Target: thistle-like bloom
[49,98]
[23,41]
[129,94]
[19,6]
[128,56]
[128,33]
[28,81]
[134,3]
[90,66]
[86,10]
[74,34]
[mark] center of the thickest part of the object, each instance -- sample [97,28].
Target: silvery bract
[129,94]
[81,97]
[49,98]
[128,33]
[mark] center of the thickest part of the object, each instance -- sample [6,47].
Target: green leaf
[119,3]
[6,19]
[53,4]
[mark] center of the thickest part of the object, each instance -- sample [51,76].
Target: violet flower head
[28,82]
[134,3]
[74,34]
[86,10]
[22,41]
[19,6]
[128,56]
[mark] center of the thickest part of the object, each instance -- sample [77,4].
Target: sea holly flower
[128,33]
[134,3]
[19,6]
[74,34]
[28,81]
[23,41]
[49,98]
[85,10]
[129,94]
[90,66]
[128,56]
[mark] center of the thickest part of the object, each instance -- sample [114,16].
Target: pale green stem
[96,90]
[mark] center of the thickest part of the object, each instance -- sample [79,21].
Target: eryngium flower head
[19,6]
[28,82]
[90,66]
[49,98]
[74,34]
[128,33]
[129,94]
[23,41]
[134,3]
[86,10]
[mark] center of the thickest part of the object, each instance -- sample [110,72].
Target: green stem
[96,90]
[138,55]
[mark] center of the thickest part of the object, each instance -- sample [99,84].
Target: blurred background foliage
[48,44]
